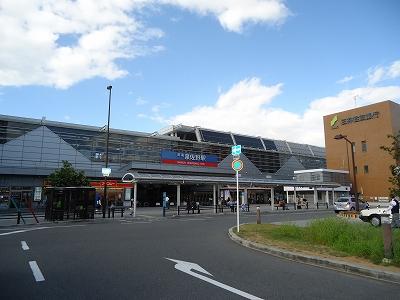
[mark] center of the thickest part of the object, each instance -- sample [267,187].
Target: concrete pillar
[294,194]
[327,197]
[218,194]
[134,198]
[272,198]
[333,195]
[135,192]
[287,196]
[315,195]
[178,195]
[214,196]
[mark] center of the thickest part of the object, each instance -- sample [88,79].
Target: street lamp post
[107,137]
[344,137]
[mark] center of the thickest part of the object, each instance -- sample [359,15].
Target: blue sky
[269,68]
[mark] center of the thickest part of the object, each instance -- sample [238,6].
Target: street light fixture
[105,200]
[344,137]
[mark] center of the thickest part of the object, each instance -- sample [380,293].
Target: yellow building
[366,128]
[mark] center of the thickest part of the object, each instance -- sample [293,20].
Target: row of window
[366,169]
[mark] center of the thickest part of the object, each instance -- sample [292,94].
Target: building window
[364,146]
[366,169]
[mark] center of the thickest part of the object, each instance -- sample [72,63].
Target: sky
[267,68]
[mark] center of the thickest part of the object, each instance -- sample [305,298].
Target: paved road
[126,259]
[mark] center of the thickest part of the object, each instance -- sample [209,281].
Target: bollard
[387,238]
[258,215]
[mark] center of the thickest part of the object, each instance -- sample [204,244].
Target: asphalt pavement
[149,257]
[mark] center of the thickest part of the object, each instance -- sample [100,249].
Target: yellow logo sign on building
[334,122]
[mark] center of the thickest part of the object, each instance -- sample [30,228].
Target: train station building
[187,163]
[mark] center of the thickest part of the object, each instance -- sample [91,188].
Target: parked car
[348,203]
[374,215]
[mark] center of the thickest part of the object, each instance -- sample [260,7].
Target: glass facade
[32,149]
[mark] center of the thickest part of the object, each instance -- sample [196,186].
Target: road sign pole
[237,200]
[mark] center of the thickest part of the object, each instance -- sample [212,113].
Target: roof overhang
[181,179]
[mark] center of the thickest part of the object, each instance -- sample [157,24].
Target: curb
[318,261]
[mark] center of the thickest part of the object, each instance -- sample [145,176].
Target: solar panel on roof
[318,151]
[299,148]
[216,137]
[248,141]
[269,145]
[281,146]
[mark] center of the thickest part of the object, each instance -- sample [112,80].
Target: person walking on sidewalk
[394,209]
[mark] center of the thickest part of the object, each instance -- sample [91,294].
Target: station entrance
[149,194]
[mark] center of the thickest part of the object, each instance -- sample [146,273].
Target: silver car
[348,203]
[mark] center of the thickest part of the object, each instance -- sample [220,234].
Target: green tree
[394,151]
[68,176]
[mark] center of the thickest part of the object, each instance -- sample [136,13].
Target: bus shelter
[70,202]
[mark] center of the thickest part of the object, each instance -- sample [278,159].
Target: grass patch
[332,235]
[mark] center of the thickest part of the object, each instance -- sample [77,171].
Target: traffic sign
[236,150]
[237,165]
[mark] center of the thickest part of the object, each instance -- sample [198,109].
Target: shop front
[118,193]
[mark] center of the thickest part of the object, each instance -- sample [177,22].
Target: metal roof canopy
[167,178]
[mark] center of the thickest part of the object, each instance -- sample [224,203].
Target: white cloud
[394,70]
[345,79]
[234,14]
[246,108]
[375,75]
[141,101]
[380,73]
[60,42]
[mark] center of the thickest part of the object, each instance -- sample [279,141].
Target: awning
[182,179]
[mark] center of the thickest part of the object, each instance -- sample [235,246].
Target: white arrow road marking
[36,271]
[24,245]
[187,268]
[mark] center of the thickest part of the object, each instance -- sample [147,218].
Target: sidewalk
[362,269]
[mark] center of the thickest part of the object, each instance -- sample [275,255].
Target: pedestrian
[394,209]
[167,202]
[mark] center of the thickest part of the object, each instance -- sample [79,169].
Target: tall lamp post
[344,137]
[107,170]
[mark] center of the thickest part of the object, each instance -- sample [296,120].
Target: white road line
[24,245]
[38,228]
[36,271]
[198,219]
